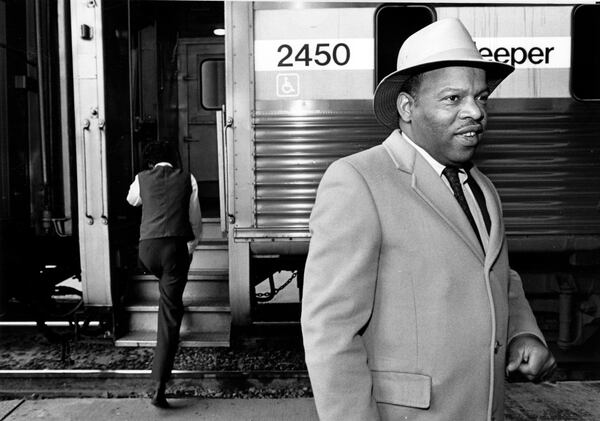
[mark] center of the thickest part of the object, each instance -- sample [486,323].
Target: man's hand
[191,245]
[528,355]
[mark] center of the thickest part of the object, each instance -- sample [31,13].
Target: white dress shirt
[195,216]
[463,176]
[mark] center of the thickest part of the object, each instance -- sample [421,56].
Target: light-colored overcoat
[403,316]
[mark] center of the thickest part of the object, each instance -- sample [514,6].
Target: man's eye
[452,98]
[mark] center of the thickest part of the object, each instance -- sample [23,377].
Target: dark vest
[165,194]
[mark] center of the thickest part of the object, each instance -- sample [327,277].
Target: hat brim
[386,93]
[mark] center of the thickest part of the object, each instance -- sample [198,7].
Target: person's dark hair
[412,84]
[156,152]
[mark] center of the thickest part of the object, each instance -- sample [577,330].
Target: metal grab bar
[222,167]
[103,193]
[85,125]
[228,172]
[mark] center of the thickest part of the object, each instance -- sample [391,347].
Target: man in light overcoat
[410,309]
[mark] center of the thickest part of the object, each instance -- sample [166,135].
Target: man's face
[448,114]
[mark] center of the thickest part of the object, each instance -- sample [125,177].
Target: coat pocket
[407,389]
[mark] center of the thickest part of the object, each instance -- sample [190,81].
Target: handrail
[222,167]
[103,193]
[228,173]
[85,125]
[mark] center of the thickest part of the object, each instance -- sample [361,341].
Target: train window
[393,24]
[212,77]
[585,53]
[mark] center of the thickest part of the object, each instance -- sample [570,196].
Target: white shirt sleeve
[195,216]
[133,197]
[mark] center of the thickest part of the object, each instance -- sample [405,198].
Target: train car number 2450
[321,54]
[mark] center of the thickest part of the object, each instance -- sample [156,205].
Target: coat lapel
[494,209]
[429,186]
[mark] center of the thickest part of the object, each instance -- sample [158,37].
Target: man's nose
[472,109]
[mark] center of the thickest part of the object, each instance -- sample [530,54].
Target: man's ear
[405,103]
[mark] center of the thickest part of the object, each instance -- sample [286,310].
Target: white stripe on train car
[527,52]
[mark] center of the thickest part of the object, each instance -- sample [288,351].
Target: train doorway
[201,92]
[177,85]
[163,78]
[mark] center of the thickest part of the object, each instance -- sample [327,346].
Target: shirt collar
[437,167]
[163,164]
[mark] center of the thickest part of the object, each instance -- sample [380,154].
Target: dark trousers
[168,260]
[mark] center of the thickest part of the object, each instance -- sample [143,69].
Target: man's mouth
[470,131]
[470,134]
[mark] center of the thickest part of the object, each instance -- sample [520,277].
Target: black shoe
[160,401]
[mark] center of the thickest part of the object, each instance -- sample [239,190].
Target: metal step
[211,230]
[210,256]
[201,283]
[205,304]
[205,315]
[187,339]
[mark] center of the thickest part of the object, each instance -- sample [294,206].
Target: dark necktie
[451,173]
[480,198]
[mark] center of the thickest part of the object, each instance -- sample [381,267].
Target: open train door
[89,112]
[163,79]
[146,71]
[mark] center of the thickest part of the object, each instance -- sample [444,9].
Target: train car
[38,250]
[311,71]
[260,97]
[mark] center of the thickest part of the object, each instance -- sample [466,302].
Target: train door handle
[85,126]
[222,168]
[103,193]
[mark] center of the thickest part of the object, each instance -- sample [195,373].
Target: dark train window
[585,52]
[393,24]
[212,77]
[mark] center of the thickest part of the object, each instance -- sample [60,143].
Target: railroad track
[568,400]
[137,383]
[102,383]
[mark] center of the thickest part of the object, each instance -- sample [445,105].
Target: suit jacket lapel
[494,209]
[427,184]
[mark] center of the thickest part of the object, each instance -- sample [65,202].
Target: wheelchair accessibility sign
[288,85]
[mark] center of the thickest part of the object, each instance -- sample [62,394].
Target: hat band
[456,54]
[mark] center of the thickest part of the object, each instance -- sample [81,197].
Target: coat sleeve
[521,320]
[339,289]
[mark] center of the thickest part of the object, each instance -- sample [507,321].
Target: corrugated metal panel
[542,155]
[544,158]
[291,155]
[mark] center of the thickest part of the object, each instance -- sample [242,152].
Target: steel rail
[97,373]
[137,383]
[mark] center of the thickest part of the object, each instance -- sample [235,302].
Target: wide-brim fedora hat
[443,43]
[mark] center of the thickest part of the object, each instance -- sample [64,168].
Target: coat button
[497,346]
